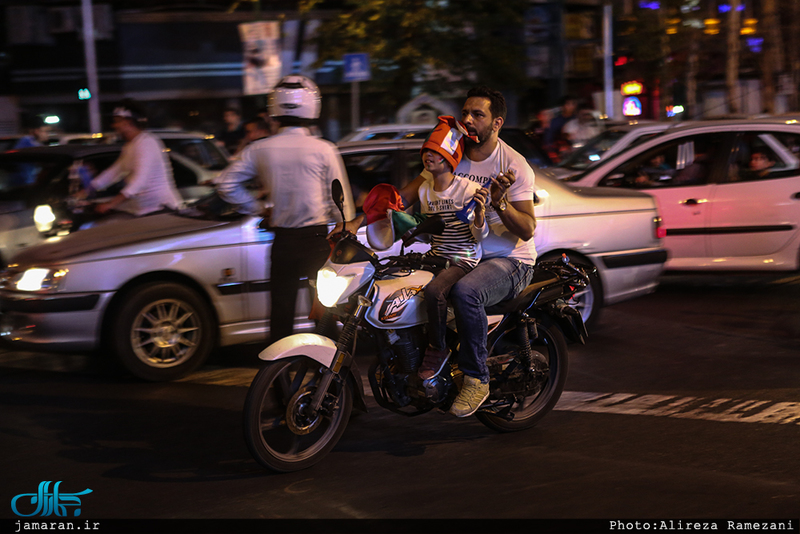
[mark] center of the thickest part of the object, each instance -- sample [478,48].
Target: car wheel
[163,331]
[589,301]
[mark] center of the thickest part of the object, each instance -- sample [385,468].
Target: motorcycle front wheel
[549,350]
[281,431]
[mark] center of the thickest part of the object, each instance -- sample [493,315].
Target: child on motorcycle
[448,195]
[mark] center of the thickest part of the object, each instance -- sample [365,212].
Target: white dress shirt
[296,169]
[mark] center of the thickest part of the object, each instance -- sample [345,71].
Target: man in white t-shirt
[509,253]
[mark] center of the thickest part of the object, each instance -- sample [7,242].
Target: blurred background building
[188,61]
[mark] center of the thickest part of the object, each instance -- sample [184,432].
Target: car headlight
[330,286]
[44,217]
[37,279]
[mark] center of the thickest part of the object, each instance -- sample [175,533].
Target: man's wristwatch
[501,206]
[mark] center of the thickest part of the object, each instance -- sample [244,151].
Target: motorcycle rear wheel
[280,434]
[551,344]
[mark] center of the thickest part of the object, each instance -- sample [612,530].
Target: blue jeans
[492,281]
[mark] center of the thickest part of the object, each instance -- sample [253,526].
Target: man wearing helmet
[296,170]
[144,166]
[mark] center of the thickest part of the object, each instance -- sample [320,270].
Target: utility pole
[769,65]
[608,69]
[732,67]
[794,56]
[91,66]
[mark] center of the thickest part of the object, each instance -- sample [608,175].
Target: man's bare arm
[518,217]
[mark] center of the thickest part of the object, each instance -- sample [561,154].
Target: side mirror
[337,193]
[612,179]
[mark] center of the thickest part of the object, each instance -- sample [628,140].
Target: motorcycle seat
[541,278]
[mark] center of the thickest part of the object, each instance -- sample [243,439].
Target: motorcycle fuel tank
[399,302]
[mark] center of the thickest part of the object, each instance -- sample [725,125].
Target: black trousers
[297,253]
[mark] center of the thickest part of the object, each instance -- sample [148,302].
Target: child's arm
[479,227]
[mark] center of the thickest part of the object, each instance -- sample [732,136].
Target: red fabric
[381,198]
[447,140]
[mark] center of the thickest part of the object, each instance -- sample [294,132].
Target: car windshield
[202,151]
[519,141]
[590,153]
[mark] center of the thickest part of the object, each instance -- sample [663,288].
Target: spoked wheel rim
[549,353]
[287,427]
[583,301]
[166,333]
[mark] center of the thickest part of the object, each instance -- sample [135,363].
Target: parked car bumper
[628,274]
[52,322]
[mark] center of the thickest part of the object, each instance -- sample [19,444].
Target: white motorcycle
[299,403]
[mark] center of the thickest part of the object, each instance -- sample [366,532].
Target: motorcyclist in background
[144,166]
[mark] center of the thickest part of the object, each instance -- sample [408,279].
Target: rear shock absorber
[526,323]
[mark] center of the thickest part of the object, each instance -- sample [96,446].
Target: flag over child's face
[447,139]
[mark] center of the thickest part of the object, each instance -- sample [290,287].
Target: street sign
[356,68]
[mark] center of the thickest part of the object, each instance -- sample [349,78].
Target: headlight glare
[330,286]
[37,279]
[44,217]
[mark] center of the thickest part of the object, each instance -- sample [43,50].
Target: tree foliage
[442,46]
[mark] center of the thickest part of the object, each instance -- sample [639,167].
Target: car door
[257,241]
[755,209]
[681,174]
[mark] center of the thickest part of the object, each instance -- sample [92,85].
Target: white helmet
[295,96]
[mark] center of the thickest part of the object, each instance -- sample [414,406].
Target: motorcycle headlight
[44,218]
[37,279]
[330,286]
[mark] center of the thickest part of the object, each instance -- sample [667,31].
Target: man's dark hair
[233,109]
[497,102]
[567,98]
[32,122]
[259,123]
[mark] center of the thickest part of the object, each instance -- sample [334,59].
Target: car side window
[680,162]
[183,175]
[201,151]
[365,171]
[765,156]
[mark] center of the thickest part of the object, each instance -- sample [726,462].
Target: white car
[519,139]
[728,192]
[612,141]
[616,231]
[41,176]
[387,131]
[159,292]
